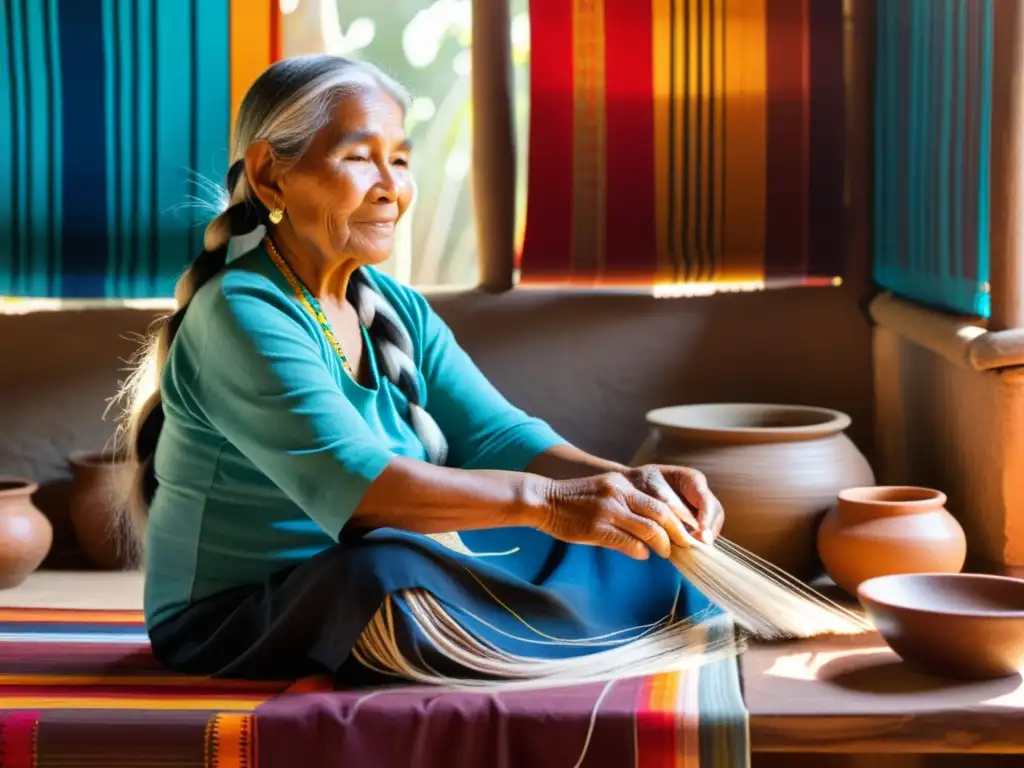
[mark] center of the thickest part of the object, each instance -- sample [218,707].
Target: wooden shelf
[854,695]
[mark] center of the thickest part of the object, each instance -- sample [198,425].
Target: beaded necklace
[308,301]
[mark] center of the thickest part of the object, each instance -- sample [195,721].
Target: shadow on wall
[591,364]
[57,372]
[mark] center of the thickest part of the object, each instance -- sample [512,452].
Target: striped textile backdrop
[680,141]
[932,151]
[109,109]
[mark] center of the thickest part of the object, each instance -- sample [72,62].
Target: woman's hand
[671,484]
[632,511]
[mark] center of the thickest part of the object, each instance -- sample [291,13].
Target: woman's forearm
[567,462]
[423,498]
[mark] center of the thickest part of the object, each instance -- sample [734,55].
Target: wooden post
[494,143]
[859,38]
[1007,182]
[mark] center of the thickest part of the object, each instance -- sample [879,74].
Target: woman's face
[348,191]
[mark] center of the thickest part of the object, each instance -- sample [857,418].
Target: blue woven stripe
[108,110]
[84,194]
[58,629]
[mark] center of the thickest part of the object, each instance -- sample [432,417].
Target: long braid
[393,347]
[142,423]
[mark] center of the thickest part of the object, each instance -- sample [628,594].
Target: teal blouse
[268,445]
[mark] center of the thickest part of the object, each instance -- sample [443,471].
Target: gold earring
[277,213]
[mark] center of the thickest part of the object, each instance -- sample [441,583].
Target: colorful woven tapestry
[684,141]
[933,110]
[110,110]
[81,688]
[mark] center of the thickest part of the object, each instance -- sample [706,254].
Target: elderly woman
[322,455]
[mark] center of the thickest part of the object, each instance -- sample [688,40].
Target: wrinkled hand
[633,512]
[690,486]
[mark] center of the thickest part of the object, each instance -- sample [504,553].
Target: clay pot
[775,468]
[25,532]
[889,530]
[95,510]
[958,625]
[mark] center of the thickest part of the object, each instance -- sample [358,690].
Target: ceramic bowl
[966,626]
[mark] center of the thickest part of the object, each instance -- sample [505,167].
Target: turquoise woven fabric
[933,113]
[109,111]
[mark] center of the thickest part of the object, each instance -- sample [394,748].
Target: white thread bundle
[669,647]
[763,600]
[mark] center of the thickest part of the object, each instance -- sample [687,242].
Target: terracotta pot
[25,532]
[95,511]
[955,625]
[889,530]
[775,468]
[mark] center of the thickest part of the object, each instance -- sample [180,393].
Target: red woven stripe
[787,141]
[547,242]
[138,651]
[18,739]
[77,659]
[275,31]
[655,731]
[630,248]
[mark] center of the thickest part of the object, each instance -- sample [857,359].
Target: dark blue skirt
[306,619]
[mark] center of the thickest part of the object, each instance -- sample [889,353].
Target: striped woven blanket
[81,688]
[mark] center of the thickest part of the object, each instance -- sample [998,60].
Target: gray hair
[286,106]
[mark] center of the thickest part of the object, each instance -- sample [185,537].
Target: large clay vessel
[889,530]
[775,468]
[25,532]
[95,510]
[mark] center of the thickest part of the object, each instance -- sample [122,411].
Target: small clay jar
[25,532]
[886,530]
[96,478]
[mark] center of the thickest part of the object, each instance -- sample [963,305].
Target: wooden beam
[859,64]
[494,143]
[1007,215]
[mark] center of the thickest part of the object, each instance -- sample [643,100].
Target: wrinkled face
[347,192]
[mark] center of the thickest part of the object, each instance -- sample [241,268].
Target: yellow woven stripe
[155,680]
[664,690]
[70,616]
[717,65]
[129,702]
[661,34]
[708,152]
[746,125]
[250,47]
[588,146]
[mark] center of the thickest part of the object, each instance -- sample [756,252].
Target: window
[426,46]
